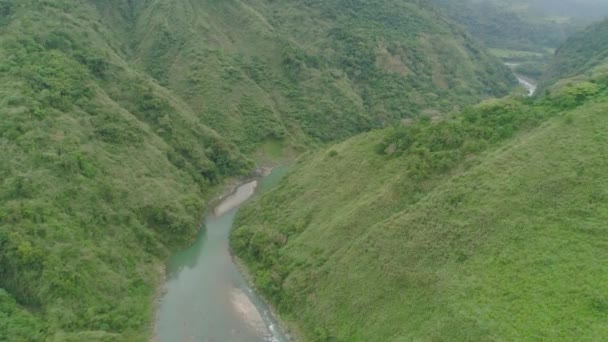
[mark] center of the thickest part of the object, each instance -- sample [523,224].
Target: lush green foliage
[581,53]
[101,171]
[312,71]
[118,118]
[486,226]
[437,147]
[17,324]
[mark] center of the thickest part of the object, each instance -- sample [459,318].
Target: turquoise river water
[207,299]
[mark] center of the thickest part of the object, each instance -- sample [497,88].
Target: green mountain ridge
[488,225]
[527,33]
[581,54]
[120,118]
[364,67]
[505,25]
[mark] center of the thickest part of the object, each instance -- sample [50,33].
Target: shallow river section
[206,297]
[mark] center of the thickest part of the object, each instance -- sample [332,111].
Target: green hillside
[580,54]
[313,70]
[490,225]
[102,171]
[119,119]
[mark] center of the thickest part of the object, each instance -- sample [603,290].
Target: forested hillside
[118,119]
[489,225]
[365,64]
[581,53]
[102,169]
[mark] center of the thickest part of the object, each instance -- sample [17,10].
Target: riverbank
[290,329]
[225,190]
[231,185]
[242,193]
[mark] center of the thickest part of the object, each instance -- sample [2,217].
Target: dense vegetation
[581,53]
[489,225]
[315,70]
[102,170]
[118,119]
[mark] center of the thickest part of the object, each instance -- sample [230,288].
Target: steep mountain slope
[365,64]
[581,53]
[486,226]
[118,119]
[102,170]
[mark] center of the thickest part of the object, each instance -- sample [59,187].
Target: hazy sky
[580,9]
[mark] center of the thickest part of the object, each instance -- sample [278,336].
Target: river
[206,297]
[527,83]
[524,81]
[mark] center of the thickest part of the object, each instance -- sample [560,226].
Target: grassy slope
[509,242]
[109,132]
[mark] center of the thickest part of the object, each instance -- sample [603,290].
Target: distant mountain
[524,33]
[577,10]
[582,53]
[504,25]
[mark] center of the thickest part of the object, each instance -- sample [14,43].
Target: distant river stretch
[526,82]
